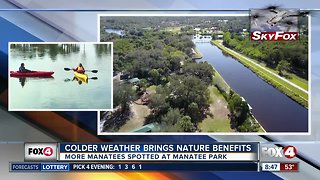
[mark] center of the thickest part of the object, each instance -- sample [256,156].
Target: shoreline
[197,54]
[273,82]
[228,88]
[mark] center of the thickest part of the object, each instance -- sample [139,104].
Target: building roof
[146,128]
[134,80]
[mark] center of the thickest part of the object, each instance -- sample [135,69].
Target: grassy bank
[296,94]
[224,86]
[218,121]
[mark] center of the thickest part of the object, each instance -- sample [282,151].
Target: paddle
[93,71]
[93,78]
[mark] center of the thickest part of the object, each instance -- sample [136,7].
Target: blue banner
[52,167]
[181,166]
[153,147]
[24,167]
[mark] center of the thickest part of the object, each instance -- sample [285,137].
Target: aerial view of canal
[274,110]
[64,89]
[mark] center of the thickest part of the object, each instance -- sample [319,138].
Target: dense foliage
[240,114]
[272,53]
[135,25]
[163,58]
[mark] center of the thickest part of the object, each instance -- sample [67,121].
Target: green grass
[219,81]
[219,122]
[291,91]
[303,83]
[299,81]
[214,93]
[215,125]
[261,130]
[173,29]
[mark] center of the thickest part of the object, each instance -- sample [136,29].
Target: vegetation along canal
[274,110]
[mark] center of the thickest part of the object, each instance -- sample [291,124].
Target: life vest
[80,69]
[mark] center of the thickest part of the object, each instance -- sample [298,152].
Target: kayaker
[22,69]
[79,69]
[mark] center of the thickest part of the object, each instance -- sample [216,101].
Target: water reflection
[23,80]
[57,93]
[102,49]
[198,38]
[40,50]
[226,54]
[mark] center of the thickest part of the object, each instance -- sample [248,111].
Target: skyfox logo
[289,152]
[274,36]
[47,151]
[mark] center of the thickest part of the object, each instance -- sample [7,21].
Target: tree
[175,64]
[295,53]
[227,37]
[283,66]
[203,70]
[194,112]
[142,85]
[249,125]
[169,120]
[122,95]
[158,103]
[122,46]
[155,75]
[239,109]
[184,124]
[186,90]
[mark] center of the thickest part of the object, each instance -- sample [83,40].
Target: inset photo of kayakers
[64,76]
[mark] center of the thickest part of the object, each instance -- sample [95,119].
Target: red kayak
[31,74]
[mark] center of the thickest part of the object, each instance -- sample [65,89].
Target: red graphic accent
[288,166]
[290,152]
[274,36]
[48,151]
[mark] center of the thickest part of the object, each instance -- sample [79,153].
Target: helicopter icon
[273,18]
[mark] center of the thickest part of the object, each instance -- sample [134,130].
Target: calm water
[274,110]
[115,31]
[61,91]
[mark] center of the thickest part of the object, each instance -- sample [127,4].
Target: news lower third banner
[158,152]
[60,157]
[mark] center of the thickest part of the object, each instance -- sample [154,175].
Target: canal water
[273,109]
[115,31]
[62,90]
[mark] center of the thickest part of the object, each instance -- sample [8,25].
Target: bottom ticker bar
[181,166]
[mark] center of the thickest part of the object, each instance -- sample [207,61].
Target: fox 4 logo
[40,151]
[47,151]
[288,152]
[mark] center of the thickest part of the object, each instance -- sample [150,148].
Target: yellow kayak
[82,77]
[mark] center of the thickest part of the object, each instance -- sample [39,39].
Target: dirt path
[219,108]
[137,118]
[219,122]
